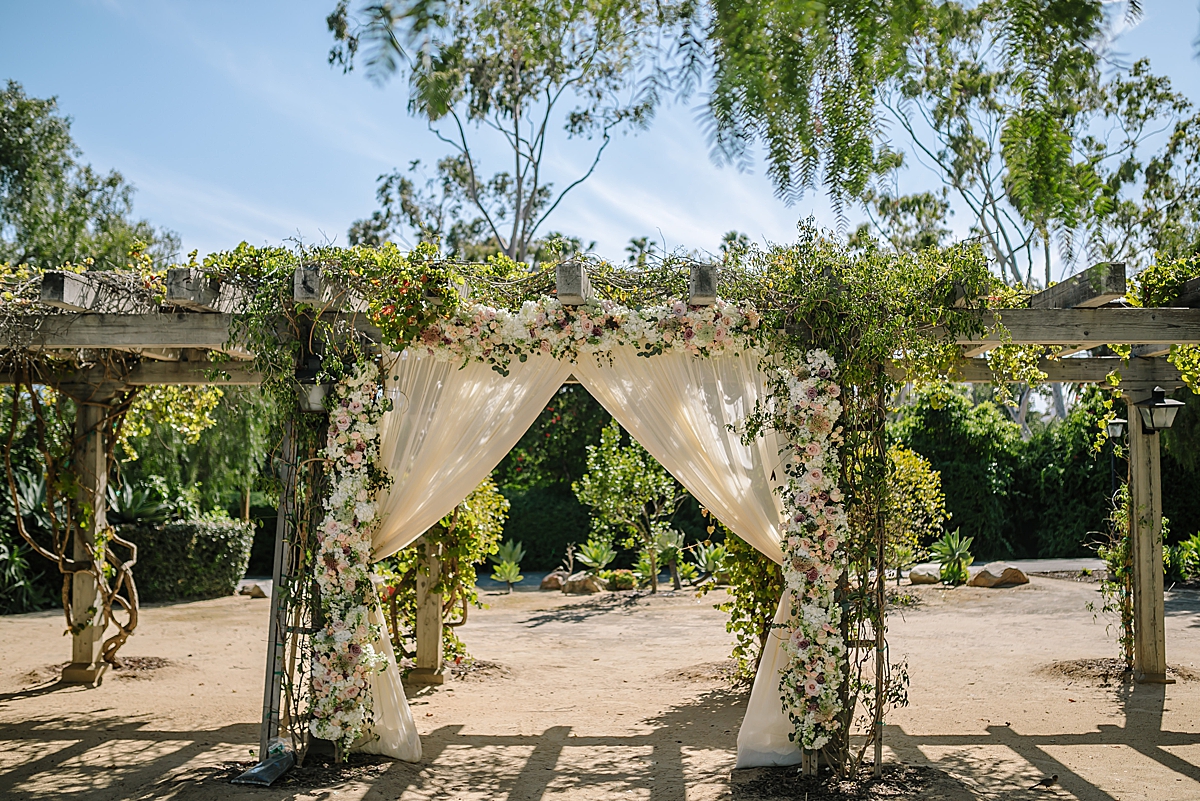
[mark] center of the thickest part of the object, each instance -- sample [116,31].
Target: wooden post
[1146,546]
[91,475]
[429,619]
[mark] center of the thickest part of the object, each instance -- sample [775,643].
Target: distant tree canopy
[54,208]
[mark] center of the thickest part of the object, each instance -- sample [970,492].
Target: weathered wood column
[1146,550]
[91,474]
[429,618]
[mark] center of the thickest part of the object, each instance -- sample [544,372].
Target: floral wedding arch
[351,651]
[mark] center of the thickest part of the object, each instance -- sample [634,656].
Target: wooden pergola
[176,341]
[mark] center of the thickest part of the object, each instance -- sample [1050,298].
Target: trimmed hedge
[190,560]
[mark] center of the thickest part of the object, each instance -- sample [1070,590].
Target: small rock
[997,574]
[584,583]
[925,574]
[253,590]
[554,581]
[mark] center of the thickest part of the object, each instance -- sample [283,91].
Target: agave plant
[510,551]
[597,554]
[953,553]
[710,557]
[509,573]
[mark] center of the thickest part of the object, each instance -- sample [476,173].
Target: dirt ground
[613,697]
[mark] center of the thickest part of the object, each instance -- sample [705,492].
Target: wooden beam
[1072,326]
[193,289]
[1135,372]
[1189,294]
[193,373]
[125,331]
[1093,287]
[429,618]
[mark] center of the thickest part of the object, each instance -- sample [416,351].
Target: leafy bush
[953,553]
[916,507]
[190,559]
[509,551]
[1182,561]
[619,579]
[20,587]
[976,450]
[710,558]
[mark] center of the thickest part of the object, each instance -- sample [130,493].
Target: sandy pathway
[612,698]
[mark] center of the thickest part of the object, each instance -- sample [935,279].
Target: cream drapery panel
[680,407]
[450,430]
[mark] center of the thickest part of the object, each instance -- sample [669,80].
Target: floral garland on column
[812,555]
[344,655]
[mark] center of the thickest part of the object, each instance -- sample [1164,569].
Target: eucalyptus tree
[516,77]
[54,208]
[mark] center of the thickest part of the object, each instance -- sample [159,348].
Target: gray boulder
[925,574]
[998,574]
[584,583]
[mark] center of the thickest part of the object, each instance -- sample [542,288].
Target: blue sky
[228,120]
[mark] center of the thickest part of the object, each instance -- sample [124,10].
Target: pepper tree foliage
[505,75]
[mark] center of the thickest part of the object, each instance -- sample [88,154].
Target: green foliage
[553,452]
[190,559]
[1117,587]
[710,559]
[1160,285]
[215,471]
[953,553]
[547,520]
[1182,560]
[131,505]
[916,507]
[185,410]
[619,579]
[631,494]
[755,587]
[597,554]
[509,551]
[975,450]
[55,209]
[508,572]
[464,538]
[580,66]
[20,587]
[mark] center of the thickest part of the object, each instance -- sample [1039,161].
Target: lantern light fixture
[1158,411]
[1116,427]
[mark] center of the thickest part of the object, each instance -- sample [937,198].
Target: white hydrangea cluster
[344,655]
[477,332]
[813,559]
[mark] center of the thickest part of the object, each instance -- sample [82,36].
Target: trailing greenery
[462,539]
[755,586]
[188,560]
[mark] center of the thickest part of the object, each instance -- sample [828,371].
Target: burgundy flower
[355,649]
[812,574]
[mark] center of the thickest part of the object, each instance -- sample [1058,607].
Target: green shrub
[190,559]
[597,554]
[1181,562]
[619,579]
[755,586]
[916,507]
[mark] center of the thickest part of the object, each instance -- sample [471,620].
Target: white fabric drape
[680,407]
[458,423]
[450,430]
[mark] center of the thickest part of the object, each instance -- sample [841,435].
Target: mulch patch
[1084,577]
[1106,671]
[478,670]
[127,667]
[724,671]
[318,770]
[899,783]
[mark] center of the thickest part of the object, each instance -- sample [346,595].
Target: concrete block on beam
[193,289]
[572,284]
[1093,287]
[89,292]
[702,285]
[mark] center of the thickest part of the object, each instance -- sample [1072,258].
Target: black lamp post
[1116,430]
